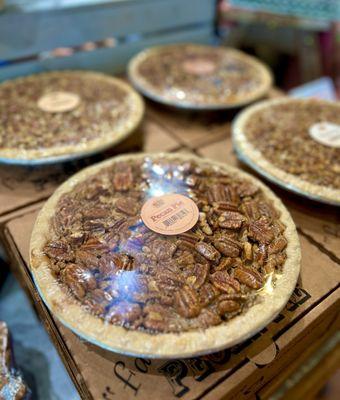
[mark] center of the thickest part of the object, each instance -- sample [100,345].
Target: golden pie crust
[168,92]
[108,136]
[165,345]
[250,154]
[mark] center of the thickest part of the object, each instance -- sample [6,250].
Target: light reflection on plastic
[155,191]
[157,169]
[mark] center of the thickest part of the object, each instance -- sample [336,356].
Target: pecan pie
[117,283]
[200,77]
[93,112]
[276,138]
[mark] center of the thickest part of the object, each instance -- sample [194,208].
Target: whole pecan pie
[294,143]
[121,285]
[201,77]
[64,114]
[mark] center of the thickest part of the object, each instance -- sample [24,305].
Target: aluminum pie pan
[80,150]
[247,160]
[64,158]
[189,106]
[231,333]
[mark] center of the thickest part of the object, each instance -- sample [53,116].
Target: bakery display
[199,77]
[295,143]
[62,115]
[114,281]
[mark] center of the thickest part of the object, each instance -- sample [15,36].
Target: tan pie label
[57,102]
[170,214]
[199,66]
[326,133]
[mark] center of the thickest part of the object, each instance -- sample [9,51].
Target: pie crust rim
[165,345]
[254,158]
[147,90]
[69,152]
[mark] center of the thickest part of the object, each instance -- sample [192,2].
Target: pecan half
[156,318]
[163,249]
[231,220]
[228,246]
[247,190]
[277,245]
[186,302]
[197,275]
[261,231]
[127,205]
[59,250]
[227,306]
[95,213]
[220,208]
[208,318]
[123,180]
[249,277]
[224,282]
[94,245]
[78,279]
[251,210]
[217,193]
[207,251]
[207,294]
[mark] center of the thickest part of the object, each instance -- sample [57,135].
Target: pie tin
[274,297]
[245,159]
[137,114]
[186,105]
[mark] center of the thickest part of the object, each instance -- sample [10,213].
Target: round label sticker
[199,66]
[55,102]
[170,214]
[326,133]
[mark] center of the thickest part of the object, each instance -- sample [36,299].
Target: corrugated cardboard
[244,369]
[252,368]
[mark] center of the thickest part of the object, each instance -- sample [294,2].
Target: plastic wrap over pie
[196,76]
[103,269]
[295,143]
[61,115]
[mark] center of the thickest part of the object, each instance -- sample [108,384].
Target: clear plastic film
[197,76]
[223,242]
[294,143]
[60,115]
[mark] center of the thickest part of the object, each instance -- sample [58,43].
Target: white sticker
[326,133]
[56,102]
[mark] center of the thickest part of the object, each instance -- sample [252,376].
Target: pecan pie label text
[170,214]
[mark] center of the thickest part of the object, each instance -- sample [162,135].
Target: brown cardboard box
[23,186]
[254,368]
[240,371]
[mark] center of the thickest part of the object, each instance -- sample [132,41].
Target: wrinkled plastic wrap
[105,257]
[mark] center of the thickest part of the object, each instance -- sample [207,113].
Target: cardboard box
[24,186]
[256,367]
[240,371]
